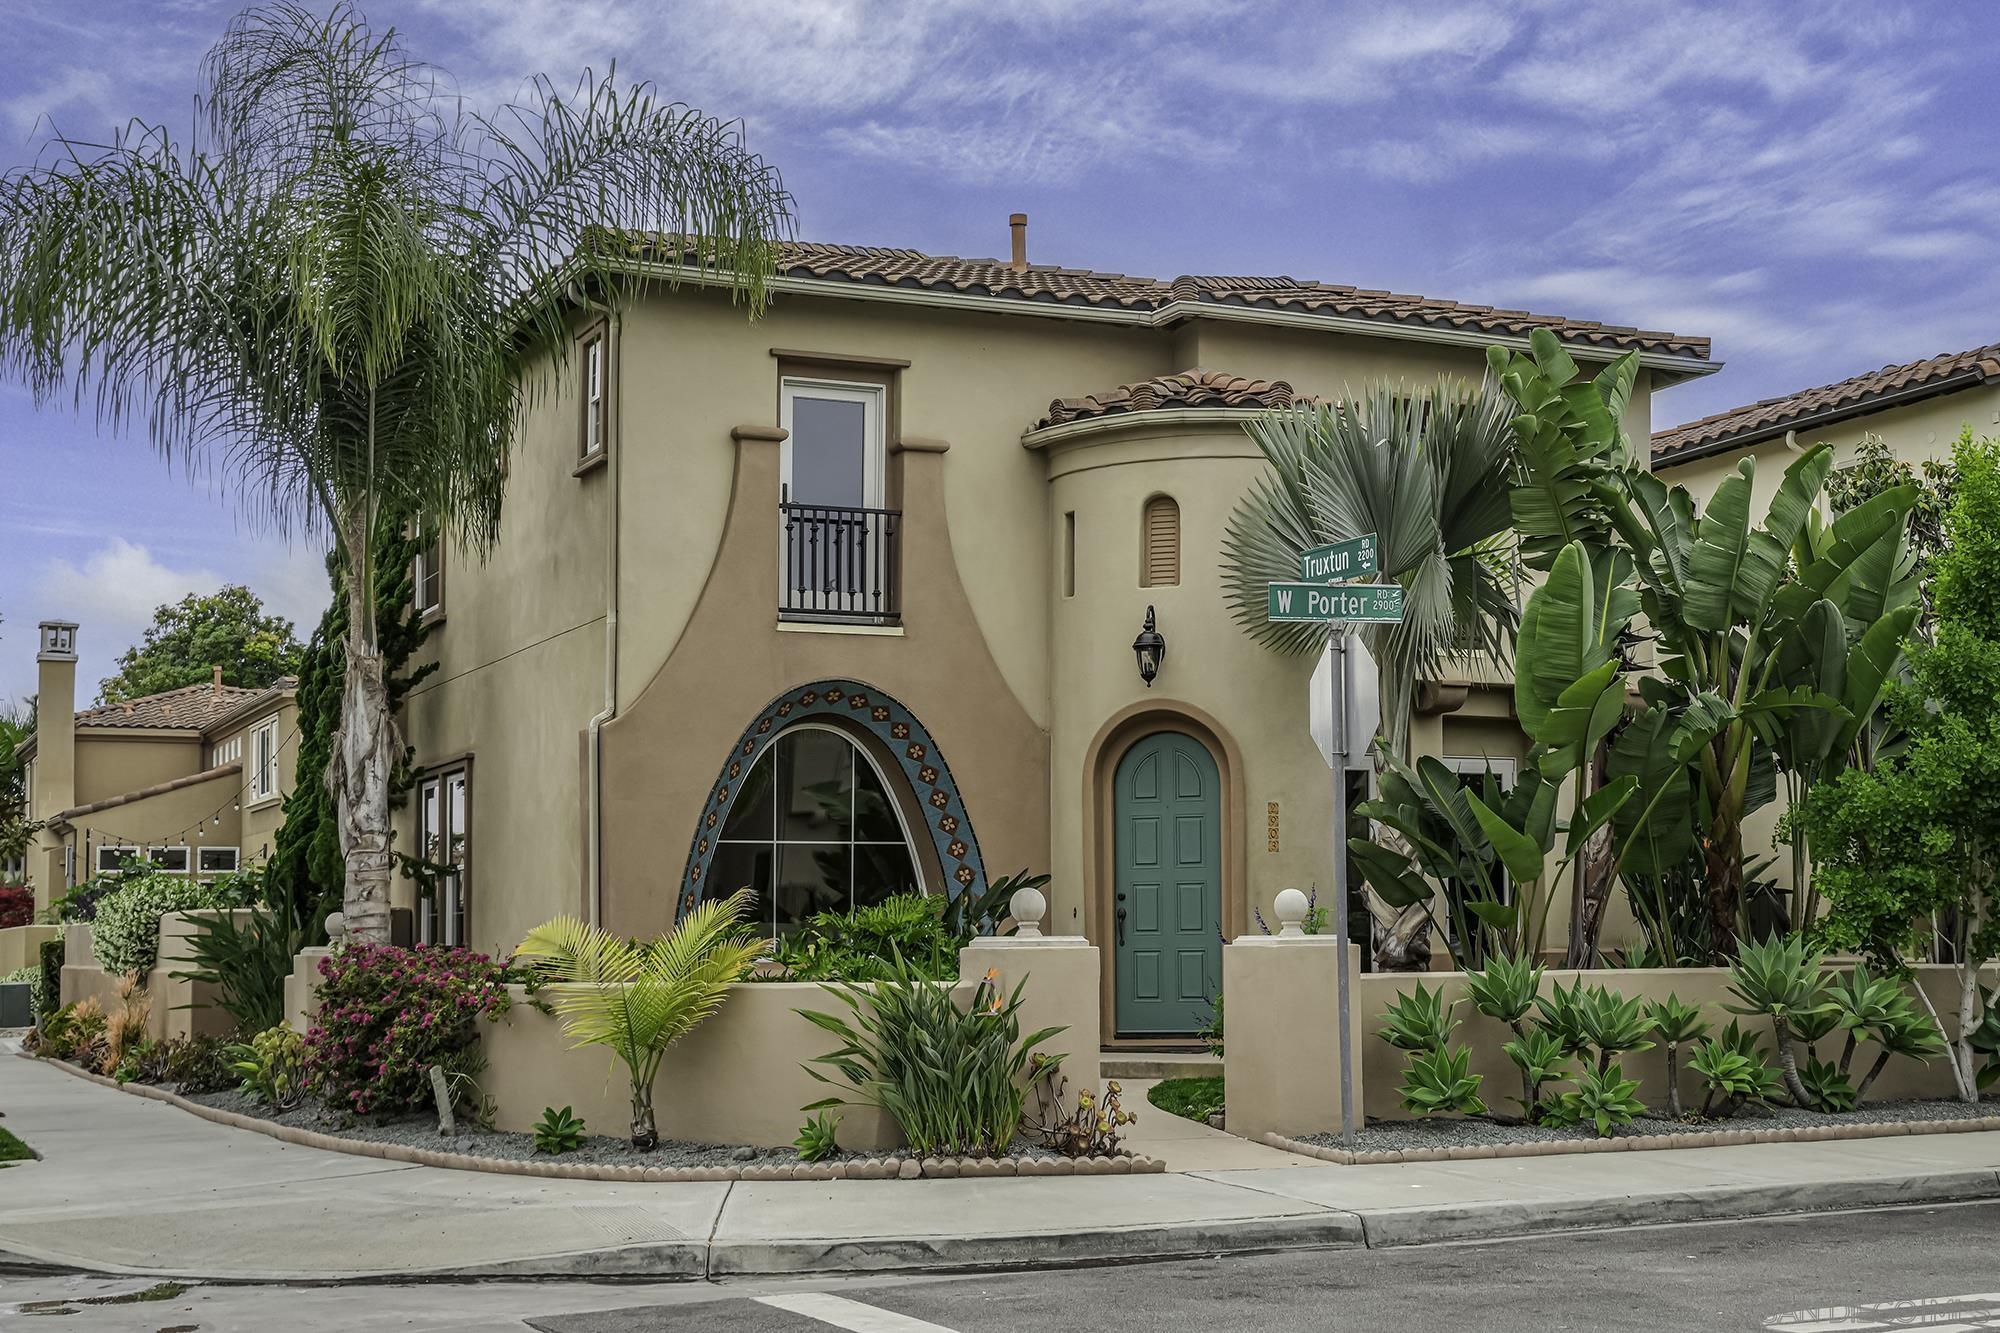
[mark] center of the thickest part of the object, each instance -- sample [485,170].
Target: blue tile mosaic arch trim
[916,755]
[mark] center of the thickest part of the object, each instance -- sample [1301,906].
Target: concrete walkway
[1188,1145]
[136,1186]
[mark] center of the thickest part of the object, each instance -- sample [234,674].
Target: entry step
[1128,1064]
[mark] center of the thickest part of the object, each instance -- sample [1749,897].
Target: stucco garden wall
[1281,1034]
[740,1076]
[179,1008]
[21,946]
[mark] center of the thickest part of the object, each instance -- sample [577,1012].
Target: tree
[1906,851]
[190,638]
[1424,471]
[349,287]
[1761,623]
[306,873]
[17,831]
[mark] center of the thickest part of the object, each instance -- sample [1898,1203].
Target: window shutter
[1160,553]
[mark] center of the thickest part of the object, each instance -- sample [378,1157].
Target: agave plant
[639,998]
[1426,471]
[1781,979]
[1676,1025]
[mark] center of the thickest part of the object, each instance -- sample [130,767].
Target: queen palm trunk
[364,758]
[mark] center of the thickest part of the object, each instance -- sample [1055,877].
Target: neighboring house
[843,601]
[192,780]
[1917,410]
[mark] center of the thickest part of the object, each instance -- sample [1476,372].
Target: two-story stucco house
[843,600]
[192,780]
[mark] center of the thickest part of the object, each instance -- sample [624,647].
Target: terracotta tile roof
[1188,388]
[1828,402]
[157,789]
[192,707]
[1043,283]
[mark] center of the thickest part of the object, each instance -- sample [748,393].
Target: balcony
[840,563]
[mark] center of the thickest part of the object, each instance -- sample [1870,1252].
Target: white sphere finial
[1291,908]
[336,926]
[1029,907]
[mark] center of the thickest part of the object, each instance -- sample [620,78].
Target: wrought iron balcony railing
[840,563]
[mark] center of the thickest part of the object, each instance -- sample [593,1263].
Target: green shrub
[558,1132]
[1676,1025]
[272,1066]
[1210,1032]
[75,1033]
[951,1078]
[1560,1014]
[1602,1100]
[1539,1055]
[388,1014]
[1781,979]
[47,995]
[1437,1082]
[818,1138]
[857,945]
[1419,1020]
[1613,1024]
[125,933]
[248,963]
[194,1065]
[1732,1066]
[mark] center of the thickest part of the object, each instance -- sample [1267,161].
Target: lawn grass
[1188,1098]
[13,1150]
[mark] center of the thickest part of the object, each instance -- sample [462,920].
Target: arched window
[812,829]
[1160,544]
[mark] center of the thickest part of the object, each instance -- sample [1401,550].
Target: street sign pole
[1343,987]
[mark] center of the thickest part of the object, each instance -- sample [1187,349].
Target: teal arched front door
[1167,900]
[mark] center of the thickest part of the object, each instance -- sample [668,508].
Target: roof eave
[1970,378]
[1680,365]
[1043,437]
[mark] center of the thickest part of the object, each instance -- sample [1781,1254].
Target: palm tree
[1426,471]
[641,998]
[346,288]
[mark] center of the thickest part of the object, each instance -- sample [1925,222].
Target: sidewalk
[137,1186]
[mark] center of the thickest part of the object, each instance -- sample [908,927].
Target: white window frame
[872,397]
[421,576]
[451,904]
[235,860]
[121,851]
[186,858]
[264,783]
[594,417]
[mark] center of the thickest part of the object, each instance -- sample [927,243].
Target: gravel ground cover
[421,1131]
[1443,1132]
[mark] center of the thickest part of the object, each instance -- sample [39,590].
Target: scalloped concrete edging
[892,1167]
[1730,1138]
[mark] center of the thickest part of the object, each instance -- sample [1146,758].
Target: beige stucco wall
[21,946]
[521,666]
[110,762]
[258,824]
[1920,431]
[176,1007]
[163,820]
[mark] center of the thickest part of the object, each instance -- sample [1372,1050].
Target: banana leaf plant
[1569,692]
[1723,588]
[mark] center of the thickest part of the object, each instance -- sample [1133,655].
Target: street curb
[1732,1138]
[891,1167]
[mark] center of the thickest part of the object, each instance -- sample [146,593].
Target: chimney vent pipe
[1018,224]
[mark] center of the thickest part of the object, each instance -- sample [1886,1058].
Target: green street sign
[1342,560]
[1376,603]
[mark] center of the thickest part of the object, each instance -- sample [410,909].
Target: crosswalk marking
[850,1315]
[1931,1314]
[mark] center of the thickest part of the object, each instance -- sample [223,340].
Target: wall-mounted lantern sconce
[1151,649]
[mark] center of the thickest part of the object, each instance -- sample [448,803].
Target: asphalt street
[1937,1269]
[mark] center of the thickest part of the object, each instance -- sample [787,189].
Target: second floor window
[838,542]
[264,760]
[592,429]
[429,577]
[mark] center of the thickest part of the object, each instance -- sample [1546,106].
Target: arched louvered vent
[1160,550]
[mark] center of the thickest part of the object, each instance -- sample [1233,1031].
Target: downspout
[594,835]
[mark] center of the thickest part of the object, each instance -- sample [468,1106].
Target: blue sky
[1817,188]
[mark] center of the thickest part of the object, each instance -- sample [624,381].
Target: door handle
[1121,920]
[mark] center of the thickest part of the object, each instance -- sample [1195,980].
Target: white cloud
[113,591]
